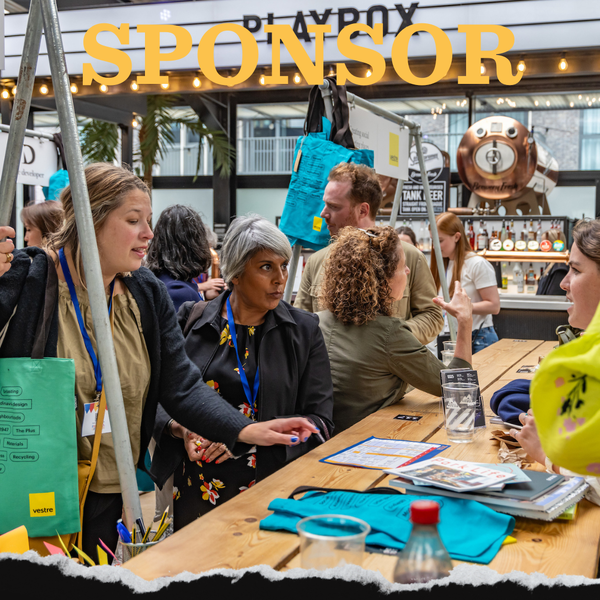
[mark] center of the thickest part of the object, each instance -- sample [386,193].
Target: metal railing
[265,155]
[182,161]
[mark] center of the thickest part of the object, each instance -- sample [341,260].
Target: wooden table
[229,536]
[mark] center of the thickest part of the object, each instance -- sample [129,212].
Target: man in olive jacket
[352,198]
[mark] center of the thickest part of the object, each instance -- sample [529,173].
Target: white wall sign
[536,25]
[38,160]
[388,141]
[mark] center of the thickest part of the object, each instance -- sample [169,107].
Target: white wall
[573,201]
[200,200]
[267,203]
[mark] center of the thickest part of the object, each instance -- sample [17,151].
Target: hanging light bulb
[196,83]
[262,79]
[134,86]
[580,96]
[444,106]
[331,71]
[536,103]
[369,73]
[571,104]
[164,86]
[547,102]
[14,90]
[297,78]
[134,123]
[43,89]
[5,94]
[482,69]
[104,88]
[563,64]
[74,88]
[521,66]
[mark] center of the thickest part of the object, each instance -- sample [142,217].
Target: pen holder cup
[130,550]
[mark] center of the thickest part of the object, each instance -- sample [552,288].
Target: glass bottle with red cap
[424,557]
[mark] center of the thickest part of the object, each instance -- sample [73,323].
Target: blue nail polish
[305,439]
[294,439]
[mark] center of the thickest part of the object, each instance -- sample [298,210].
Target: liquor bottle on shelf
[424,557]
[560,242]
[518,277]
[538,233]
[530,280]
[521,243]
[482,237]
[471,235]
[513,231]
[503,231]
[532,244]
[507,238]
[495,243]
[504,276]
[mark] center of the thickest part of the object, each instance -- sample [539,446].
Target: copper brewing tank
[498,159]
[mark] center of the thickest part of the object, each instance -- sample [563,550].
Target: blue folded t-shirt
[469,530]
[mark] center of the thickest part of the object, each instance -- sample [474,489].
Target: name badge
[90,417]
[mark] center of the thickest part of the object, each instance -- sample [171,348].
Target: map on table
[381,453]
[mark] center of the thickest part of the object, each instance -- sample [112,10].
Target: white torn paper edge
[463,574]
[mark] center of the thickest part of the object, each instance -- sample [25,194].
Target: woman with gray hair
[266,358]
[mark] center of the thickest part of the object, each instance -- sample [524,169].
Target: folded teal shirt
[470,531]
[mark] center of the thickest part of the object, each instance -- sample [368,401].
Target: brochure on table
[456,475]
[381,453]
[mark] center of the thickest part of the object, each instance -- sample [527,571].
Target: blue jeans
[483,338]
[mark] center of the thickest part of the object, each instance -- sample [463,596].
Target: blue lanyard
[245,384]
[84,333]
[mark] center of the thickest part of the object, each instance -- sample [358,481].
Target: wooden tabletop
[229,536]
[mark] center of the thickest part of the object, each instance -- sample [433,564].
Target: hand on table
[6,249]
[289,432]
[528,437]
[460,305]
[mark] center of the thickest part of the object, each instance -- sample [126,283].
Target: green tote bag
[38,439]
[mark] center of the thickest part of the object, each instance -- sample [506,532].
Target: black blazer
[174,379]
[295,377]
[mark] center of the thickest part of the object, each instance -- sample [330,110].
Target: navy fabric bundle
[511,400]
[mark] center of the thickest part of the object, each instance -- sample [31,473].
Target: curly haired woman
[373,355]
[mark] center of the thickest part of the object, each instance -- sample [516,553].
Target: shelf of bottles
[510,240]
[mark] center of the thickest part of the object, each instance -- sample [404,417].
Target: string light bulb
[134,86]
[521,66]
[536,103]
[43,89]
[297,78]
[14,90]
[262,79]
[482,69]
[5,94]
[104,88]
[164,86]
[331,71]
[196,83]
[74,88]
[134,123]
[571,104]
[369,73]
[563,64]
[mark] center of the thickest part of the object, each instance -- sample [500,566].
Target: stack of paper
[504,488]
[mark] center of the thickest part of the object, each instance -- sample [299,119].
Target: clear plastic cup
[447,357]
[450,346]
[328,541]
[460,404]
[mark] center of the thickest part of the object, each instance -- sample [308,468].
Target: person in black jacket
[148,343]
[266,358]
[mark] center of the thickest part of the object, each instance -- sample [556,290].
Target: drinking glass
[460,403]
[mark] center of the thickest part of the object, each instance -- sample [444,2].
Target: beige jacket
[372,365]
[423,317]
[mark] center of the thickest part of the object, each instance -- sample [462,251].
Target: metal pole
[434,233]
[91,264]
[289,288]
[18,119]
[30,133]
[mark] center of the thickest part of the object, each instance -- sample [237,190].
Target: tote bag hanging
[324,146]
[38,440]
